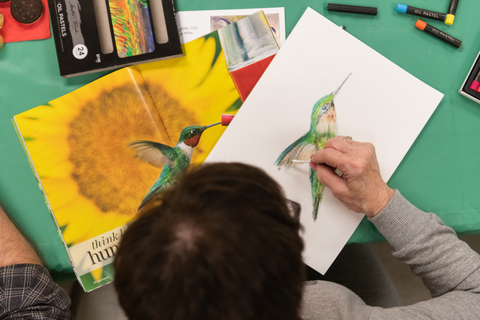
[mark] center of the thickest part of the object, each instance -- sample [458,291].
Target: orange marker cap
[420,24]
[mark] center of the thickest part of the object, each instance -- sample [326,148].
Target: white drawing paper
[380,103]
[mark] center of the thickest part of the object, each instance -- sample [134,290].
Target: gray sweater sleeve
[449,268]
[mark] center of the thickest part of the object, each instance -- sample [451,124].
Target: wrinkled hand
[360,187]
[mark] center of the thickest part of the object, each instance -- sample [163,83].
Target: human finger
[341,143]
[331,157]
[327,176]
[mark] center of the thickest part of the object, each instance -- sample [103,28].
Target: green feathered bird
[175,160]
[323,126]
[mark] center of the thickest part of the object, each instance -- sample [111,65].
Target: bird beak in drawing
[338,89]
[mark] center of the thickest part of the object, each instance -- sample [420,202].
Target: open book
[95,150]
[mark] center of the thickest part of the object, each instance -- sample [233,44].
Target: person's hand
[360,186]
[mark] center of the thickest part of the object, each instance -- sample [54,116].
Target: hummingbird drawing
[175,160]
[323,126]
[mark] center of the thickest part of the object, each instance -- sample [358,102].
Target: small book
[87,148]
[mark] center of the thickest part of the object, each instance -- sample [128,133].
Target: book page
[215,76]
[92,180]
[194,90]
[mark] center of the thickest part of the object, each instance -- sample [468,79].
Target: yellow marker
[452,10]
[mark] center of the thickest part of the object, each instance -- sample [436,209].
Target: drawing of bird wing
[302,149]
[317,193]
[154,153]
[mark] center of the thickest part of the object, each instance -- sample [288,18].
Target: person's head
[220,244]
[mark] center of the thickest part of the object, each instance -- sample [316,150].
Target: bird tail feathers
[317,193]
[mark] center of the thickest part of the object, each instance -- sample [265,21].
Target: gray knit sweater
[449,268]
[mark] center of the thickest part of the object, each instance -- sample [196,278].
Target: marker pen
[438,33]
[476,82]
[352,9]
[421,12]
[452,10]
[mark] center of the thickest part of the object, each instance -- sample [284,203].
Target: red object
[247,77]
[14,31]
[420,24]
[227,118]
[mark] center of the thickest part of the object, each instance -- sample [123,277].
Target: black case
[75,28]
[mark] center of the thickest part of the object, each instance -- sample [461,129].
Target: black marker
[421,12]
[352,9]
[452,10]
[438,33]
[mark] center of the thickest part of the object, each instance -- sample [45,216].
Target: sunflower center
[105,168]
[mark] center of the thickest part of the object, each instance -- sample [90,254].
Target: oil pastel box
[471,86]
[96,35]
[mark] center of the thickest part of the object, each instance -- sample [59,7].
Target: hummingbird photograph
[323,126]
[175,160]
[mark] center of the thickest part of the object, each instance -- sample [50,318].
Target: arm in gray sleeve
[431,249]
[449,268]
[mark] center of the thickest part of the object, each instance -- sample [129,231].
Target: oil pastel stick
[421,12]
[476,82]
[159,23]
[438,33]
[352,9]
[452,10]
[103,26]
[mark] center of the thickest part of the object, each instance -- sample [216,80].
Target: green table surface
[439,173]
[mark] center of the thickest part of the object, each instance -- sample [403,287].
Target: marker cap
[402,8]
[420,24]
[449,19]
[227,118]
[475,85]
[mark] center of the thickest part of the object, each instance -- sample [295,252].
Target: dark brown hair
[220,244]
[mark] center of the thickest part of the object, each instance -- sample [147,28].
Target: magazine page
[92,181]
[197,89]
